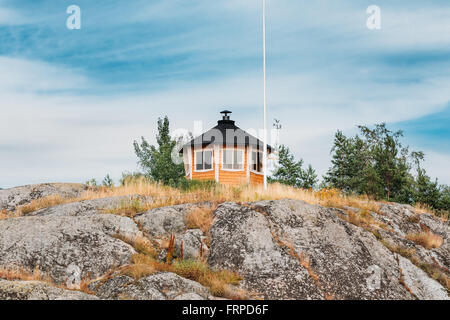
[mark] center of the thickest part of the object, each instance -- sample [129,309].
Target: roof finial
[225,114]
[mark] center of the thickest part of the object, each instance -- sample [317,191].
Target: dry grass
[23,274]
[36,275]
[218,282]
[142,245]
[423,208]
[433,270]
[145,263]
[167,196]
[46,202]
[363,219]
[426,209]
[138,270]
[5,214]
[426,239]
[129,208]
[200,218]
[304,262]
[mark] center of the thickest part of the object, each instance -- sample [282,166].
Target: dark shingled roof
[226,133]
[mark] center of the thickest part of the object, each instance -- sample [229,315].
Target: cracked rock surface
[288,249]
[283,249]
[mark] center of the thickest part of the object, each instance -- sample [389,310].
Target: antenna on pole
[265,100]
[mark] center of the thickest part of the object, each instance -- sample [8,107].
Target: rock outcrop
[284,249]
[166,220]
[159,286]
[292,250]
[53,243]
[12,198]
[89,207]
[36,290]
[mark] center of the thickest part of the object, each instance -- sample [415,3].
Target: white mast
[265,100]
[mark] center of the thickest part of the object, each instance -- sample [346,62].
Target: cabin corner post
[191,164]
[248,155]
[216,162]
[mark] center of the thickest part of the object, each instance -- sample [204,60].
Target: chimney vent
[225,115]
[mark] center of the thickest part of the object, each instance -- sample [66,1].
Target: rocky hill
[281,249]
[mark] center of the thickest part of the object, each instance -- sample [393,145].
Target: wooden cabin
[226,154]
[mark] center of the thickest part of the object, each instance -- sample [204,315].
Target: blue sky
[73,101]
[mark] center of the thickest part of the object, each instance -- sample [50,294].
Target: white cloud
[65,137]
[10,16]
[23,76]
[436,164]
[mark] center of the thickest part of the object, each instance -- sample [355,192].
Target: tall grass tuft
[426,239]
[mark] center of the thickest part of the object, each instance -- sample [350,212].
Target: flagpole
[265,100]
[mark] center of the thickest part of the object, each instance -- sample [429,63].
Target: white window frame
[251,161]
[237,150]
[203,160]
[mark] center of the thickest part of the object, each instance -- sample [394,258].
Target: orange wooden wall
[226,176]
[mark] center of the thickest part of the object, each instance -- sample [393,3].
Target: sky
[73,101]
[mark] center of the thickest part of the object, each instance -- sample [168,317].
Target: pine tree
[374,164]
[389,157]
[377,164]
[157,161]
[350,159]
[309,178]
[290,172]
[426,191]
[108,182]
[443,204]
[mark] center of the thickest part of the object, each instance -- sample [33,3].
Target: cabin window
[233,159]
[203,160]
[257,161]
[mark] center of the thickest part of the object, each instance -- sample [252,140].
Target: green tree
[157,161]
[108,182]
[131,177]
[352,169]
[375,164]
[91,183]
[378,165]
[444,200]
[309,178]
[426,191]
[290,172]
[389,159]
